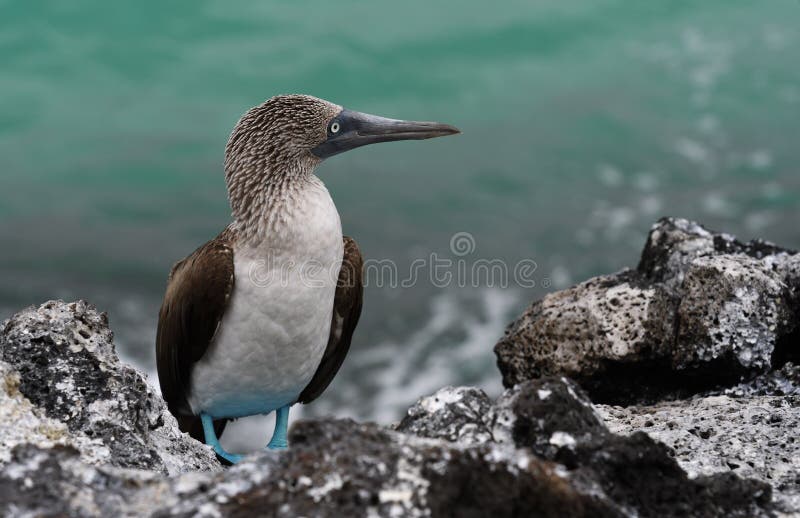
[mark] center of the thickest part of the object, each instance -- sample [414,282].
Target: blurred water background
[583,122]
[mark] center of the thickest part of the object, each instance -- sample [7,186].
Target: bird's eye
[334,127]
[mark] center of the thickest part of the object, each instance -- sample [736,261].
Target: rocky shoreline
[668,390]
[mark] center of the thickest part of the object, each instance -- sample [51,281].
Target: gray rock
[23,423]
[702,310]
[738,304]
[754,437]
[65,384]
[782,382]
[456,414]
[582,331]
[550,416]
[342,468]
[543,416]
[732,308]
[674,243]
[334,468]
[699,340]
[56,482]
[634,475]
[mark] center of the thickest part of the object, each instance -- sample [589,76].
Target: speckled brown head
[283,139]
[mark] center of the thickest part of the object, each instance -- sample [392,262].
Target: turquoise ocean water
[583,122]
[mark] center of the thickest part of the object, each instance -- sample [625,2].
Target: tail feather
[192,425]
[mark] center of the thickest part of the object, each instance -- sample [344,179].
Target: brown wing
[197,295]
[346,311]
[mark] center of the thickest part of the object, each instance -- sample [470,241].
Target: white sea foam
[421,364]
[760,159]
[715,204]
[610,175]
[646,181]
[561,277]
[759,220]
[650,205]
[693,150]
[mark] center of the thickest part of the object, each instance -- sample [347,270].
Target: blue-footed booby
[261,317]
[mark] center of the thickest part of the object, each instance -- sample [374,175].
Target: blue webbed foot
[213,441]
[279,441]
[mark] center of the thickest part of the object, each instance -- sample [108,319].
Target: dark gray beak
[350,130]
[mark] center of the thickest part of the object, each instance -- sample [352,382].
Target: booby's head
[288,131]
[287,136]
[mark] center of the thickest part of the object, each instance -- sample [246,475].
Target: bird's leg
[278,441]
[211,440]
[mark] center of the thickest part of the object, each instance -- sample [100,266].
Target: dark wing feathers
[346,311]
[198,291]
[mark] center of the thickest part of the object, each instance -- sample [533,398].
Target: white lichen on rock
[69,378]
[25,424]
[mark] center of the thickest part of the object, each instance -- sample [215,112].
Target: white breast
[275,330]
